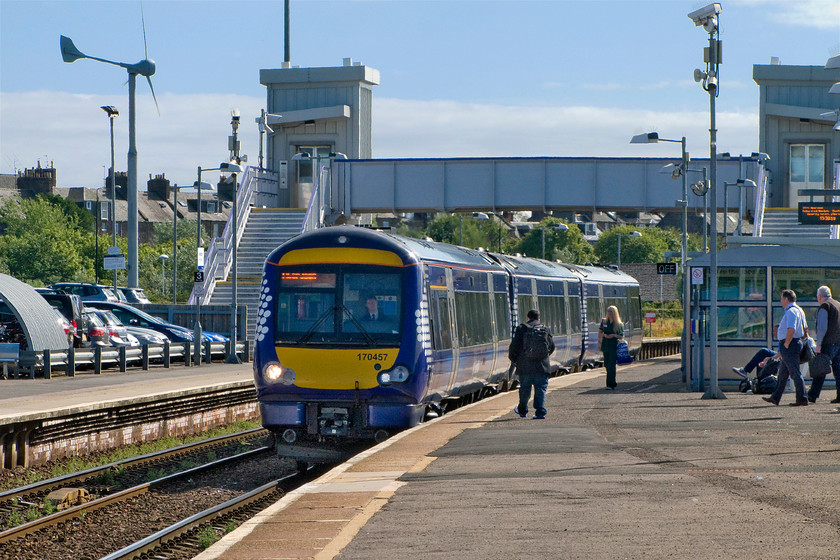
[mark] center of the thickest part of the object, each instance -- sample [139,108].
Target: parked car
[131,316]
[64,323]
[132,295]
[98,333]
[88,292]
[116,330]
[146,336]
[70,305]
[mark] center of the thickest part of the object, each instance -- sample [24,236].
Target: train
[362,333]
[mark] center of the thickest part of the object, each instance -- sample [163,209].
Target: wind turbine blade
[837,125]
[828,114]
[151,87]
[145,46]
[69,52]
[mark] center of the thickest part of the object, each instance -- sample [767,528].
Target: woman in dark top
[610,332]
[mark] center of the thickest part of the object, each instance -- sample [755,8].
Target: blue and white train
[327,377]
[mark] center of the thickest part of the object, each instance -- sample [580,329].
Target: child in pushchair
[765,380]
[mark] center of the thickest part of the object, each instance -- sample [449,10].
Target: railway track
[43,499]
[187,538]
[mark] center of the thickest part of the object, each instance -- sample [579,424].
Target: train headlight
[397,374]
[276,372]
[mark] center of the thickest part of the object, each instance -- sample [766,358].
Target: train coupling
[334,421]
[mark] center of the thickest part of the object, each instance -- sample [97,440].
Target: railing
[218,261]
[835,229]
[140,356]
[760,201]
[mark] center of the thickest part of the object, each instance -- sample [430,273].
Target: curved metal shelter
[35,315]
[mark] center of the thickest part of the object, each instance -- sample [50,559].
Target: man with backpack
[529,350]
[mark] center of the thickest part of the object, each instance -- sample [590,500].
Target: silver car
[117,331]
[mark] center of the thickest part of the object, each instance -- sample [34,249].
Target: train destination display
[819,213]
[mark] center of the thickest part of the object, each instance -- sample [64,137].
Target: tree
[649,248]
[42,243]
[565,245]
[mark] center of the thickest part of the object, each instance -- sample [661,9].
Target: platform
[648,471]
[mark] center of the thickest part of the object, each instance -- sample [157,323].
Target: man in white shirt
[791,329]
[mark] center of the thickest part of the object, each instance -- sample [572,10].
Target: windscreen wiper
[358,325]
[317,324]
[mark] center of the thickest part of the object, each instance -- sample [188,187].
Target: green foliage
[206,537]
[49,507]
[649,248]
[14,519]
[84,220]
[467,231]
[41,243]
[566,245]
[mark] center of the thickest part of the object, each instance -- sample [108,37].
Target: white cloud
[72,131]
[822,14]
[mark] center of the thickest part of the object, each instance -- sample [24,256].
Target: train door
[443,329]
[593,297]
[449,309]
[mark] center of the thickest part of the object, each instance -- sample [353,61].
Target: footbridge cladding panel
[500,184]
[35,315]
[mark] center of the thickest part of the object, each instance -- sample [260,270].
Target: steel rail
[165,537]
[123,495]
[44,486]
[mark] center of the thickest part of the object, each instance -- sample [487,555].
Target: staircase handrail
[834,231]
[218,261]
[760,201]
[314,217]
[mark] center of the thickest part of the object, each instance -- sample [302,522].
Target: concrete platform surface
[30,398]
[648,471]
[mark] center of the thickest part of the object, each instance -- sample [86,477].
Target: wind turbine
[145,67]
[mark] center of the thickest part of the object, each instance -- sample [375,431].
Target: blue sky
[458,77]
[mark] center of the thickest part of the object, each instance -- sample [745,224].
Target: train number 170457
[372,357]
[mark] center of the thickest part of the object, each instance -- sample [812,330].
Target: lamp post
[232,358]
[558,227]
[163,259]
[707,17]
[620,235]
[199,276]
[653,138]
[112,113]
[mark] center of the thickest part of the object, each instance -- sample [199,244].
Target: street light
[558,227]
[199,276]
[163,259]
[232,358]
[653,138]
[707,17]
[112,113]
[620,235]
[740,183]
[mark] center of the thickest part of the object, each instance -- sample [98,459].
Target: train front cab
[325,375]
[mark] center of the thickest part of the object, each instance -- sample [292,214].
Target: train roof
[442,252]
[527,266]
[605,274]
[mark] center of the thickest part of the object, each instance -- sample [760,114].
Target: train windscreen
[339,305]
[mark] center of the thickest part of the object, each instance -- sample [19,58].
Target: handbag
[820,366]
[809,350]
[622,354]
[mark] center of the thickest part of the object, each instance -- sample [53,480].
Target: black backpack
[535,344]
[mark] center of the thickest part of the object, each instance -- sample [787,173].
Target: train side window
[503,330]
[574,314]
[525,304]
[441,321]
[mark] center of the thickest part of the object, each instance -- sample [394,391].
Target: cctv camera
[700,16]
[710,25]
[711,82]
